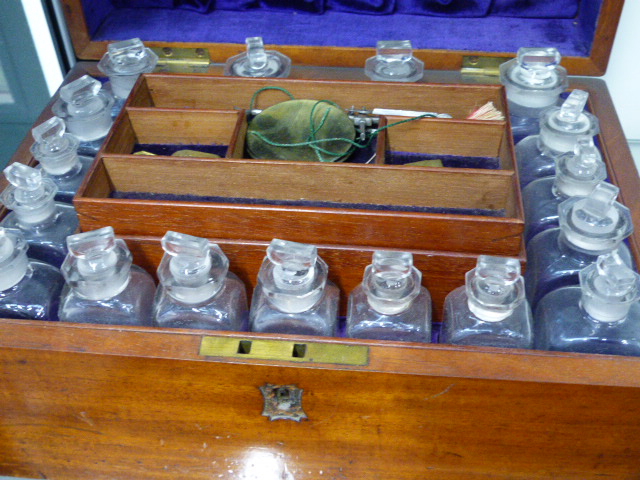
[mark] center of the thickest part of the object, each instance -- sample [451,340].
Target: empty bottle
[602,315]
[103,286]
[29,289]
[57,153]
[258,62]
[589,226]
[44,223]
[293,294]
[390,303]
[560,128]
[533,82]
[394,62]
[490,309]
[85,108]
[124,62]
[577,174]
[196,288]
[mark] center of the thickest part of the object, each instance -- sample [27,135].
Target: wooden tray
[392,206]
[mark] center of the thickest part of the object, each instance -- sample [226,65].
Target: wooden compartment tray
[473,210]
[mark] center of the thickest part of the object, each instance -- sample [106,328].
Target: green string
[314,142]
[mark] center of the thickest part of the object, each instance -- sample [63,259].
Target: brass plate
[285,350]
[481,65]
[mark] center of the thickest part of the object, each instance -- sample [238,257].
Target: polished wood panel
[146,416]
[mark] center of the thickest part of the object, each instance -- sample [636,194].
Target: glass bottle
[394,62]
[293,294]
[258,62]
[57,153]
[490,309]
[85,108]
[589,226]
[44,223]
[390,303]
[602,315]
[29,289]
[560,128]
[577,174]
[196,288]
[124,62]
[103,286]
[533,82]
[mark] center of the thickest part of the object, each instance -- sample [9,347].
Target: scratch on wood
[83,416]
[446,390]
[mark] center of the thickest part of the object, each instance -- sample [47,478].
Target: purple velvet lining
[572,36]
[371,7]
[305,203]
[451,161]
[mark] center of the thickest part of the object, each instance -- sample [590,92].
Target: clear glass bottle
[390,303]
[560,128]
[196,288]
[258,62]
[57,153]
[293,294]
[103,286]
[589,226]
[85,108]
[394,62]
[29,289]
[602,315]
[124,62]
[44,223]
[490,310]
[533,82]
[577,174]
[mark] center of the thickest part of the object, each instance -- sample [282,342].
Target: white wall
[623,73]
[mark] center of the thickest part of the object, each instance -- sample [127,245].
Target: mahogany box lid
[445,34]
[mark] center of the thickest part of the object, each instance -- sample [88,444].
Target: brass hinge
[477,65]
[182,60]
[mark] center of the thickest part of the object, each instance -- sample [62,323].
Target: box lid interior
[441,31]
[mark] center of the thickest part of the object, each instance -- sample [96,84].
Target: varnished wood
[593,64]
[164,126]
[158,415]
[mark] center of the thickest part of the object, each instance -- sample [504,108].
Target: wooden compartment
[229,93]
[327,203]
[175,127]
[393,206]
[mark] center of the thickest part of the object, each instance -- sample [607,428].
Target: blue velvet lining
[498,30]
[305,203]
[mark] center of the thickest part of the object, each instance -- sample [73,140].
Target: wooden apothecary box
[136,403]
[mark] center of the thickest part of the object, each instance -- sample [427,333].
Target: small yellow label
[285,350]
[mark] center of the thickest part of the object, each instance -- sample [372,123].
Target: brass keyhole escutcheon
[283,402]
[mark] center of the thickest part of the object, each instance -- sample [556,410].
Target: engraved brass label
[480,65]
[283,402]
[285,350]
